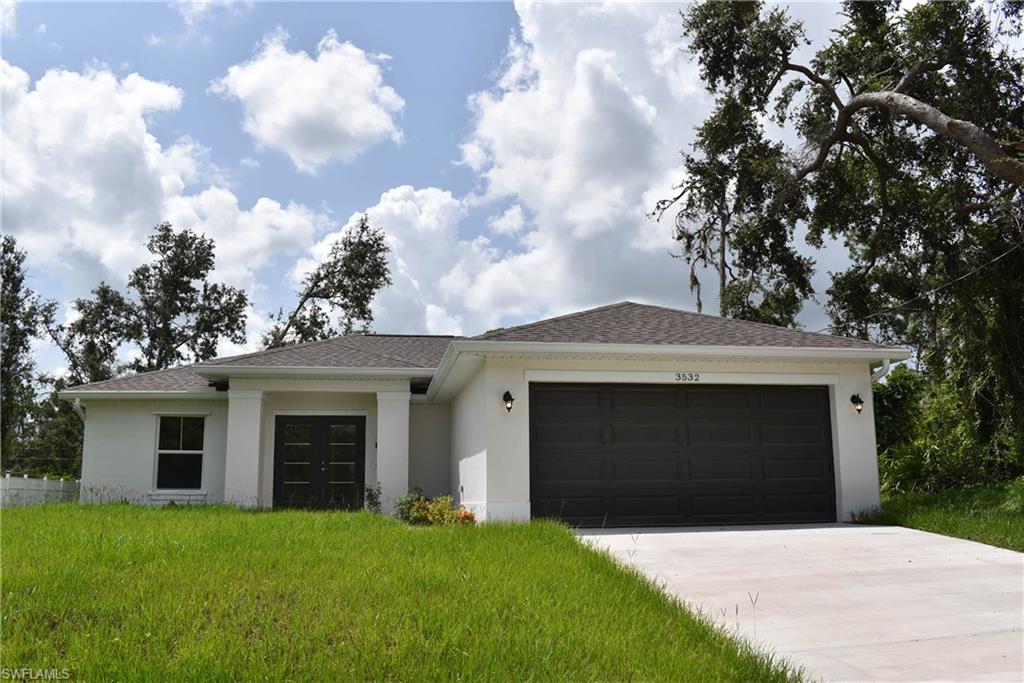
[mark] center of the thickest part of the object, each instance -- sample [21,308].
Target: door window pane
[343,434]
[298,433]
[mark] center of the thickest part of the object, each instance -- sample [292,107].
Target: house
[626,414]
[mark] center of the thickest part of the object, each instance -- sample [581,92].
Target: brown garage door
[652,454]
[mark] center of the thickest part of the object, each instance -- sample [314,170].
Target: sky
[510,152]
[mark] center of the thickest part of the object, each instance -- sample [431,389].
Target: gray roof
[621,323]
[352,351]
[631,323]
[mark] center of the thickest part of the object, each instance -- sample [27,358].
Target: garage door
[652,454]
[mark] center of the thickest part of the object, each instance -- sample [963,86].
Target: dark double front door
[319,461]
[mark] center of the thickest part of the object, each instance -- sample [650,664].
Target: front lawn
[116,591]
[993,515]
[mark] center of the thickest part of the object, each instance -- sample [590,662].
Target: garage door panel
[645,432]
[578,434]
[569,471]
[646,398]
[795,504]
[680,454]
[647,506]
[722,469]
[719,434]
[792,435]
[557,400]
[647,470]
[803,468]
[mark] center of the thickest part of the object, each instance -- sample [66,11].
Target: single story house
[626,414]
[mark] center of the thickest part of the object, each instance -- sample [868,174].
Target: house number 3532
[687,376]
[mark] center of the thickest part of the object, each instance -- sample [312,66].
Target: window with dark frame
[179,455]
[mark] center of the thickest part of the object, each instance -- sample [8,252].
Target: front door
[319,461]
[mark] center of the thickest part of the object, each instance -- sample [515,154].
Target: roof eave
[489,347]
[135,394]
[215,372]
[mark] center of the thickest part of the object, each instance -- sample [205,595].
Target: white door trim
[321,413]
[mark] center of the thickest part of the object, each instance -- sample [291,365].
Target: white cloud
[315,109]
[41,29]
[249,162]
[580,132]
[8,16]
[85,180]
[509,222]
[196,15]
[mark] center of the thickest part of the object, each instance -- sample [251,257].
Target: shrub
[416,509]
[372,498]
[419,512]
[404,504]
[441,511]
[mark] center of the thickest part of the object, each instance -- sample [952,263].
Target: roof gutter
[881,372]
[76,395]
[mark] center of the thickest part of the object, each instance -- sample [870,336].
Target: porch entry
[319,461]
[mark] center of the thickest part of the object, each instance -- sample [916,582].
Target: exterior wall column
[392,446]
[242,457]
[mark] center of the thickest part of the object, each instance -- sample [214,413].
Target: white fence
[24,491]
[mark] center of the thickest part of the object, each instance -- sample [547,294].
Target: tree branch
[965,133]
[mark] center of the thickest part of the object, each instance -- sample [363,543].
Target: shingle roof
[352,351]
[632,323]
[172,379]
[621,323]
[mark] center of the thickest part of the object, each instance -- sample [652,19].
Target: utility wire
[930,292]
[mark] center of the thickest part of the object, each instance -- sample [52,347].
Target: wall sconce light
[507,398]
[858,403]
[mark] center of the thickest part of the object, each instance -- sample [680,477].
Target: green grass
[993,515]
[114,592]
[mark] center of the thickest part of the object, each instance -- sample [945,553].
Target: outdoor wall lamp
[858,403]
[507,398]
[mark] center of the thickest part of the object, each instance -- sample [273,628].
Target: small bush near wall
[415,508]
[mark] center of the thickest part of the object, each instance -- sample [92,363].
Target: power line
[930,292]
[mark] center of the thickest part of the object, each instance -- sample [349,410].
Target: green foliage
[371,500]
[171,314]
[931,440]
[898,406]
[934,224]
[124,592]
[24,316]
[987,514]
[345,282]
[404,504]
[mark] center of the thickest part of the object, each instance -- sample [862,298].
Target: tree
[172,313]
[722,220]
[345,282]
[176,309]
[24,316]
[910,131]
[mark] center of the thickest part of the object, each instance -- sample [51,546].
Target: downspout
[79,410]
[881,372]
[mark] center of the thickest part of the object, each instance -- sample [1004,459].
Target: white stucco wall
[429,448]
[119,450]
[481,426]
[469,439]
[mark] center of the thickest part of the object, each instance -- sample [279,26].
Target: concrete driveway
[847,602]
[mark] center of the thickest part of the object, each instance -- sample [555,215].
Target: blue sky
[510,152]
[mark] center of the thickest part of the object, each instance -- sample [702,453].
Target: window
[179,455]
